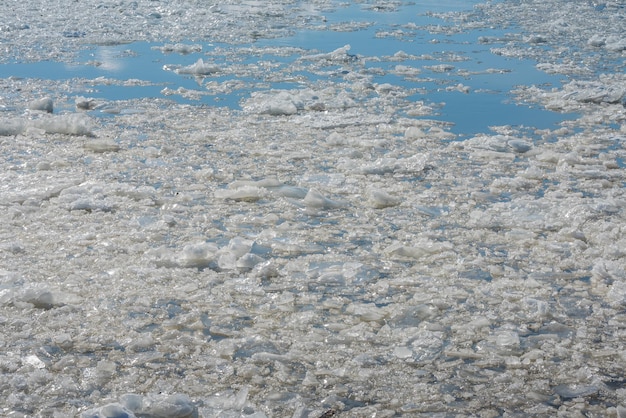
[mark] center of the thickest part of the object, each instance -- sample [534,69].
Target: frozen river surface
[312,209]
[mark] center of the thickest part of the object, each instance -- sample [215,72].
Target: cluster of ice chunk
[342,258]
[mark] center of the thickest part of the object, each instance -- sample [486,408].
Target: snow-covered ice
[307,234]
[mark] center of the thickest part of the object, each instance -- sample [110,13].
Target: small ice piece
[40,298]
[180,48]
[248,261]
[413,132]
[520,146]
[34,361]
[536,39]
[280,104]
[84,103]
[72,124]
[402,352]
[423,249]
[338,55]
[172,406]
[596,40]
[617,293]
[101,146]
[575,391]
[112,410]
[615,44]
[44,104]
[440,68]
[508,340]
[243,194]
[199,68]
[380,199]
[315,199]
[10,127]
[132,401]
[198,255]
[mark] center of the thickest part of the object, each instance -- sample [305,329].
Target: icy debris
[44,104]
[402,352]
[199,255]
[576,391]
[290,102]
[85,103]
[315,199]
[440,68]
[508,340]
[102,145]
[10,127]
[339,55]
[499,143]
[39,297]
[243,193]
[70,124]
[199,68]
[380,199]
[151,406]
[594,92]
[179,48]
[34,361]
[423,249]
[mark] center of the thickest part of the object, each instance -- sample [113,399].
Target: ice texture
[327,248]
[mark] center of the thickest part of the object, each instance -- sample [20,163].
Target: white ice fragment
[44,104]
[198,255]
[10,127]
[248,261]
[40,298]
[244,194]
[292,192]
[402,352]
[615,44]
[168,406]
[112,410]
[315,199]
[440,68]
[239,246]
[101,145]
[34,361]
[368,312]
[597,40]
[84,103]
[179,48]
[132,402]
[406,70]
[576,391]
[199,68]
[617,293]
[413,132]
[71,124]
[380,199]
[508,340]
[270,182]
[338,55]
[423,249]
[336,139]
[381,166]
[519,145]
[536,39]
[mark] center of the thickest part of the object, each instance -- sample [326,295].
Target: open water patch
[408,50]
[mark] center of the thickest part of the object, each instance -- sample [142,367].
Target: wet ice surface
[332,244]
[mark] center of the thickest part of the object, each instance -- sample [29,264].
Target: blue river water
[430,42]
